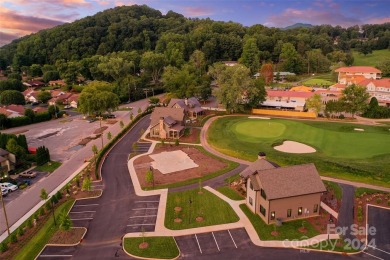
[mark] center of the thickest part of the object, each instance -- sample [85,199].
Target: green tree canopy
[153,63]
[96,98]
[355,98]
[51,75]
[314,103]
[44,96]
[9,97]
[11,84]
[251,56]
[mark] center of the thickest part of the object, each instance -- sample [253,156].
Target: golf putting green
[258,129]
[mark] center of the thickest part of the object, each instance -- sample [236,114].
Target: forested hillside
[141,28]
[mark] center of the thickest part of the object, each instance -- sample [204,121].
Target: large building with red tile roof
[291,100]
[380,89]
[354,74]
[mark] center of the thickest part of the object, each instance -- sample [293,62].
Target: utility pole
[5,213]
[101,135]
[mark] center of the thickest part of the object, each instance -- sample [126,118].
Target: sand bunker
[258,117]
[294,147]
[167,162]
[359,129]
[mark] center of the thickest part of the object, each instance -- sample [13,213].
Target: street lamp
[100,122]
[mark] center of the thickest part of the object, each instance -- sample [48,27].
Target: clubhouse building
[283,193]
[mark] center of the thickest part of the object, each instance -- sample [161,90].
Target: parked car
[28,174]
[109,116]
[91,120]
[67,107]
[8,186]
[4,192]
[21,181]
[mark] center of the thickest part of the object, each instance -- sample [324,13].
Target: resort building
[355,74]
[167,123]
[191,106]
[290,100]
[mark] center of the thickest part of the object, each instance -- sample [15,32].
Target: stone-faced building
[167,123]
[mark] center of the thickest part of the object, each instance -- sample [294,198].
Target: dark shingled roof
[2,159]
[259,165]
[289,181]
[3,152]
[176,114]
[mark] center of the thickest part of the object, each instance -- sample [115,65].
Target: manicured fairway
[341,151]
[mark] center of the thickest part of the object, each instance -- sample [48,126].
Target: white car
[4,192]
[8,186]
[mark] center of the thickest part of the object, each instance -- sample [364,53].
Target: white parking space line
[215,241]
[134,225]
[144,208]
[55,255]
[147,216]
[144,201]
[86,205]
[232,238]
[373,255]
[80,212]
[97,185]
[197,241]
[375,248]
[75,219]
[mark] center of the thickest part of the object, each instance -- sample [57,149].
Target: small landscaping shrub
[20,231]
[341,116]
[388,203]
[48,206]
[29,223]
[177,142]
[42,211]
[77,180]
[379,200]
[59,195]
[54,200]
[36,216]
[360,218]
[3,247]
[162,142]
[13,238]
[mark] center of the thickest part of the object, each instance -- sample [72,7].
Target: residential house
[285,193]
[7,160]
[191,106]
[167,123]
[282,75]
[290,100]
[31,96]
[34,84]
[8,113]
[17,110]
[73,100]
[59,97]
[59,83]
[354,74]
[230,63]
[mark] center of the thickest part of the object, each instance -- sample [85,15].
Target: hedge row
[24,120]
[116,138]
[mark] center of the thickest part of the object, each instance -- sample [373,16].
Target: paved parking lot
[83,211]
[12,195]
[212,243]
[143,147]
[143,215]
[378,241]
[57,252]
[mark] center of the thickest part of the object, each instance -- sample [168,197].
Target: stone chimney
[261,155]
[161,127]
[186,101]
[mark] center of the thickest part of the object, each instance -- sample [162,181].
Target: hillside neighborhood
[193,138]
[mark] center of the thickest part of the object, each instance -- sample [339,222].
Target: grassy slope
[214,210]
[35,245]
[159,247]
[373,59]
[341,151]
[288,230]
[230,193]
[48,168]
[336,188]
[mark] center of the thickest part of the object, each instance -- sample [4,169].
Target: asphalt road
[103,239]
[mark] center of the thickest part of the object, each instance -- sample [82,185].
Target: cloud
[378,20]
[63,3]
[6,38]
[191,11]
[291,16]
[16,24]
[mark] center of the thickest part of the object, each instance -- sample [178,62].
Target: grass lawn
[231,165]
[341,153]
[288,230]
[159,247]
[212,209]
[48,167]
[318,82]
[230,193]
[333,245]
[373,59]
[360,191]
[35,245]
[338,192]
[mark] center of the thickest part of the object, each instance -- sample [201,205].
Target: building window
[250,201]
[272,215]
[250,185]
[263,194]
[262,210]
[315,208]
[289,213]
[299,211]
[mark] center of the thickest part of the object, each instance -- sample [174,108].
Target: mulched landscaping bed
[207,165]
[379,199]
[193,137]
[100,130]
[320,222]
[69,237]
